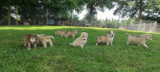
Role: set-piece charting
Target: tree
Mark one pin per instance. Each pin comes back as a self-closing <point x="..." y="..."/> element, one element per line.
<point x="94" y="5"/>
<point x="59" y="8"/>
<point x="152" y="11"/>
<point x="130" y="8"/>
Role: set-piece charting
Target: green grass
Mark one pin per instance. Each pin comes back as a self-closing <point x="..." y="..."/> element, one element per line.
<point x="119" y="57"/>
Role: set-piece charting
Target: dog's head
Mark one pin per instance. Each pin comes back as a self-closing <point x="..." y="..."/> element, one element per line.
<point x="84" y="35"/>
<point x="75" y="31"/>
<point x="111" y="33"/>
<point x="33" y="38"/>
<point x="148" y="36"/>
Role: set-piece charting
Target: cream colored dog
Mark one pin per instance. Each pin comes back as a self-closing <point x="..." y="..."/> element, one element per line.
<point x="43" y="39"/>
<point x="108" y="39"/>
<point x="71" y="33"/>
<point x="139" y="39"/>
<point x="81" y="40"/>
<point x="60" y="32"/>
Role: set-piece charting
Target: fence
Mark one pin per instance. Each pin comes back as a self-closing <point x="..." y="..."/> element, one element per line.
<point x="142" y="25"/>
<point x="146" y="26"/>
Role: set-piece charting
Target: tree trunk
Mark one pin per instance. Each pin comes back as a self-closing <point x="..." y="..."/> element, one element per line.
<point x="34" y="21"/>
<point x="71" y="19"/>
<point x="140" y="11"/>
<point x="47" y="17"/>
<point x="39" y="21"/>
<point x="16" y="15"/>
<point x="9" y="16"/>
<point x="90" y="14"/>
<point x="56" y="21"/>
<point x="43" y="21"/>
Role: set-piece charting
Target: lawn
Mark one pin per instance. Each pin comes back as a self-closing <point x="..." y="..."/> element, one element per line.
<point x="62" y="57"/>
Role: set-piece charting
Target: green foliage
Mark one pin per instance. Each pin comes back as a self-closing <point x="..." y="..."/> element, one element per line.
<point x="62" y="57"/>
<point x="94" y="5"/>
<point x="130" y="8"/>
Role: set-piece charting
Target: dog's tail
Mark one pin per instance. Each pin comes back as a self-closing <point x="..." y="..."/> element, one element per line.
<point x="70" y="43"/>
<point x="50" y="37"/>
<point x="39" y="35"/>
<point x="127" y="34"/>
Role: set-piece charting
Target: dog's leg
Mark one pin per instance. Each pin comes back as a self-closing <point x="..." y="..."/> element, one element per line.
<point x="107" y="43"/>
<point x="35" y="45"/>
<point x="28" y="46"/>
<point x="97" y="42"/>
<point x="145" y="45"/>
<point x="25" y="45"/>
<point x="81" y="46"/>
<point x="72" y="36"/>
<point x="127" y="42"/>
<point x="44" y="44"/>
<point x="50" y="42"/>
<point x="61" y="35"/>
<point x="111" y="43"/>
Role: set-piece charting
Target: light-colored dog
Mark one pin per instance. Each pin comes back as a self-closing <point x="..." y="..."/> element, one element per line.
<point x="108" y="39"/>
<point x="60" y="32"/>
<point x="81" y="40"/>
<point x="30" y="39"/>
<point x="139" y="39"/>
<point x="71" y="33"/>
<point x="43" y="39"/>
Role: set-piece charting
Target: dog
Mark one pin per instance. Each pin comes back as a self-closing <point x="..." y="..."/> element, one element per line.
<point x="139" y="39"/>
<point x="60" y="32"/>
<point x="71" y="33"/>
<point x="108" y="39"/>
<point x="30" y="39"/>
<point x="43" y="39"/>
<point x="81" y="40"/>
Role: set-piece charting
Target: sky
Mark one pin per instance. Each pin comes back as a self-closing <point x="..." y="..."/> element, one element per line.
<point x="102" y="15"/>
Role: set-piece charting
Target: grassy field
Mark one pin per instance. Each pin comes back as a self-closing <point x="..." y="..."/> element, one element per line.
<point x="119" y="57"/>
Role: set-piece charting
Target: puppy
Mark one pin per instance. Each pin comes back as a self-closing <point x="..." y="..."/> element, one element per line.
<point x="108" y="39"/>
<point x="60" y="32"/>
<point x="30" y="39"/>
<point x="71" y="33"/>
<point x="81" y="40"/>
<point x="43" y="39"/>
<point x="139" y="39"/>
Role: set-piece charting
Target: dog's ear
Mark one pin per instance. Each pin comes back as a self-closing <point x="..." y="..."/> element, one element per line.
<point x="75" y="30"/>
<point x="109" y="31"/>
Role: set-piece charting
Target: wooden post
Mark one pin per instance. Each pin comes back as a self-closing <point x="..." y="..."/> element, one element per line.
<point x="150" y="27"/>
<point x="155" y="26"/>
<point x="47" y="16"/>
<point x="140" y="23"/>
<point x="145" y="27"/>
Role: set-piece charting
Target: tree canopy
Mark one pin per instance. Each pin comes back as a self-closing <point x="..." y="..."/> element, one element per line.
<point x="62" y="10"/>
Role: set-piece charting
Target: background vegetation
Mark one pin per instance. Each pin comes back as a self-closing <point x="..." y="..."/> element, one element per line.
<point x="15" y="12"/>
